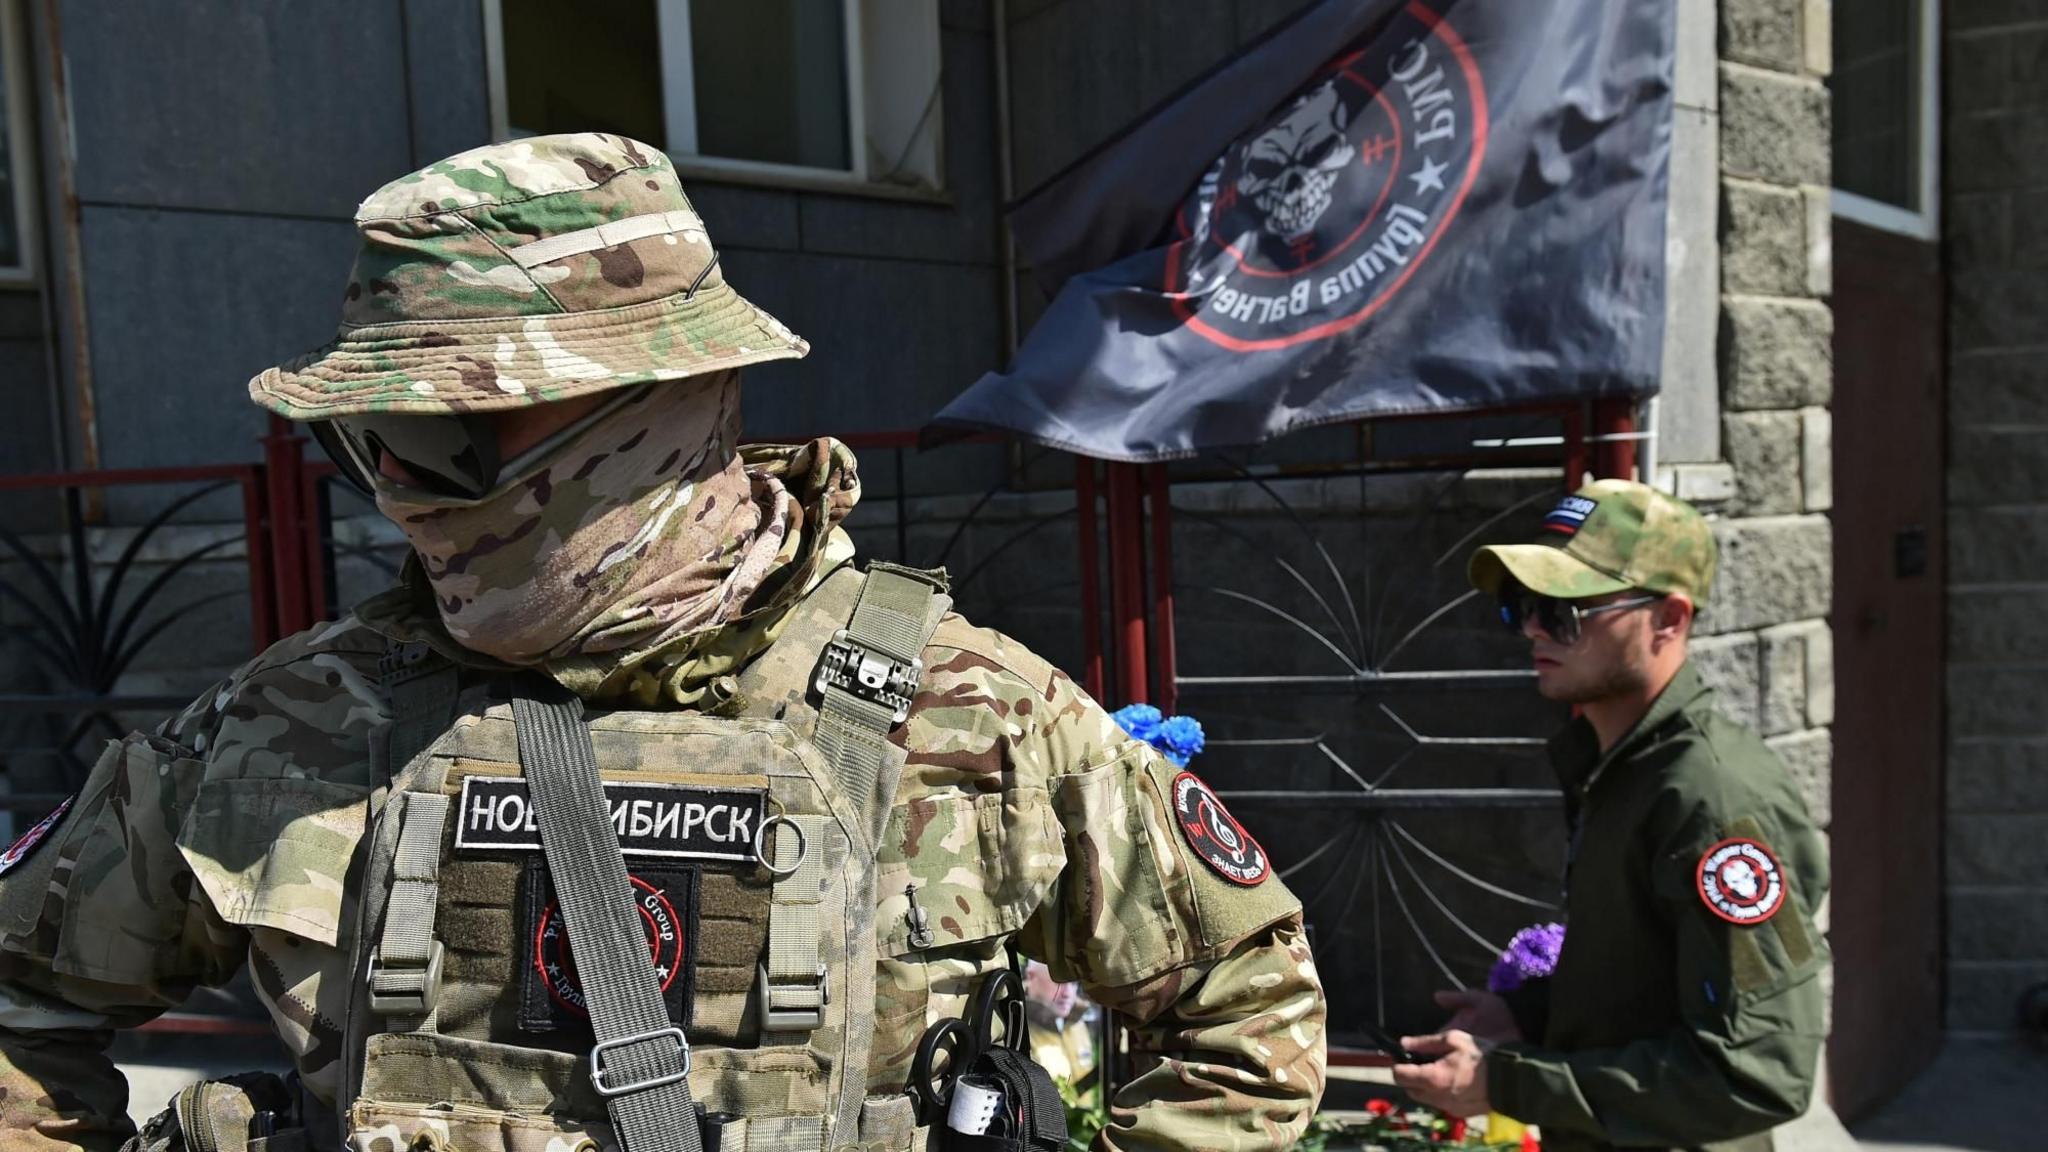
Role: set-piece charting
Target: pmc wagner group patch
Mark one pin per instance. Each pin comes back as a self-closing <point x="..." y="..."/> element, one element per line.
<point x="1215" y="835"/>
<point x="1307" y="228"/>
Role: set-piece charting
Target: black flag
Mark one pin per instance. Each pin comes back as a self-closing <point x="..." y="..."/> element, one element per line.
<point x="1461" y="208"/>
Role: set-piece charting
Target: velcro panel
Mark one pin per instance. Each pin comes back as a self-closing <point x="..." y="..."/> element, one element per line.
<point x="488" y="956"/>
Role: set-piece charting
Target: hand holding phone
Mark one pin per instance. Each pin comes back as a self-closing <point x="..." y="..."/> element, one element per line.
<point x="1387" y="1043"/>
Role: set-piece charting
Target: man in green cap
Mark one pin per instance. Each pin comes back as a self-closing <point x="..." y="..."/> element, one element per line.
<point x="1685" y="1009"/>
<point x="637" y="815"/>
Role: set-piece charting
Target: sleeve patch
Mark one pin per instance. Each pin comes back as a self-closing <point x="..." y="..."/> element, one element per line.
<point x="1215" y="834"/>
<point x="36" y="834"/>
<point x="1740" y="881"/>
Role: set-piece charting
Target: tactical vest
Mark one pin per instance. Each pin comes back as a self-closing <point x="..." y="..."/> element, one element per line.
<point x="750" y="841"/>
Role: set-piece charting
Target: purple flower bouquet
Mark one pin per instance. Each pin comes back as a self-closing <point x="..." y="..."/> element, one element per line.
<point x="1532" y="953"/>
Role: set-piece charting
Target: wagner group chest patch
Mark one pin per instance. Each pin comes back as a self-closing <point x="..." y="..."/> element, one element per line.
<point x="1215" y="834"/>
<point x="1741" y="882"/>
<point x="669" y="821"/>
<point x="551" y="993"/>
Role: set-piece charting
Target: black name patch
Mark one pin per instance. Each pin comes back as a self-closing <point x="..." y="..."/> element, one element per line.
<point x="676" y="821"/>
<point x="551" y="994"/>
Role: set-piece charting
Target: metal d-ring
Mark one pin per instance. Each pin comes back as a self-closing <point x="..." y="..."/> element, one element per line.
<point x="803" y="845"/>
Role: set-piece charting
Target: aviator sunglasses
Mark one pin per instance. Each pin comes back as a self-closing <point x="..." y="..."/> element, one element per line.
<point x="1561" y="620"/>
<point x="455" y="455"/>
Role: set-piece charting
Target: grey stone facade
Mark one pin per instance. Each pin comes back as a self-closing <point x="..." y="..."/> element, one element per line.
<point x="1995" y="166"/>
<point x="1768" y="647"/>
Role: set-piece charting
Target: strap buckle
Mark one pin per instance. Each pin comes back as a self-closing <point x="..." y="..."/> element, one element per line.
<point x="404" y="990"/>
<point x="798" y="1007"/>
<point x="868" y="673"/>
<point x="598" y="1070"/>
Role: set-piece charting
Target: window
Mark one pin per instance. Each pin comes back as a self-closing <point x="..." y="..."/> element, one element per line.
<point x="17" y="168"/>
<point x="834" y="93"/>
<point x="1886" y="94"/>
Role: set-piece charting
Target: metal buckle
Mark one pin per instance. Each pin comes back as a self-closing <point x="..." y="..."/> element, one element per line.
<point x="405" y="991"/>
<point x="597" y="1069"/>
<point x="775" y="1019"/>
<point x="870" y="674"/>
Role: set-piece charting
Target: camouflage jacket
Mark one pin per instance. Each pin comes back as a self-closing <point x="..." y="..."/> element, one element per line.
<point x="1022" y="805"/>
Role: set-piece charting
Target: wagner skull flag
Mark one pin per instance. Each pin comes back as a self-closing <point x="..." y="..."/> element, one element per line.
<point x="1461" y="207"/>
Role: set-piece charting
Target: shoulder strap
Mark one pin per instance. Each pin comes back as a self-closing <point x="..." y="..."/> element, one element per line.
<point x="641" y="1062"/>
<point x="404" y="975"/>
<point x="865" y="679"/>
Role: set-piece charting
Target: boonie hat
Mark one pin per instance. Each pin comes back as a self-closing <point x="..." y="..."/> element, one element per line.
<point x="522" y="273"/>
<point x="1609" y="536"/>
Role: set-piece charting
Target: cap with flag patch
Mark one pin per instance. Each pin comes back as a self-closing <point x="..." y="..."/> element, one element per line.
<point x="1609" y="536"/>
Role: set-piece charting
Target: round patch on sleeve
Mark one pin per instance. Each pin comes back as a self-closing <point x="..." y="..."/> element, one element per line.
<point x="1215" y="834"/>
<point x="19" y="850"/>
<point x="1740" y="881"/>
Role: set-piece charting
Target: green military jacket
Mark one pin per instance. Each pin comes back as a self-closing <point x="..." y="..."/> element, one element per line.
<point x="1686" y="1009"/>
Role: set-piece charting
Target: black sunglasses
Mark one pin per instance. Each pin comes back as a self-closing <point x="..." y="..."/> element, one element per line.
<point x="1562" y="620"/>
<point x="452" y="455"/>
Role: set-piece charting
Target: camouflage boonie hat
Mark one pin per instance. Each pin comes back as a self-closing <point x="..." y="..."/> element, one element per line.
<point x="1609" y="536"/>
<point x="522" y="273"/>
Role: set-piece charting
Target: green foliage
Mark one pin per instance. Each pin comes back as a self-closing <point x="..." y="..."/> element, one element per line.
<point x="1086" y="1114"/>
<point x="1413" y="1129"/>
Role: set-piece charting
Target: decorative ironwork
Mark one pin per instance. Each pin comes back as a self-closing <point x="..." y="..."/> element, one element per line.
<point x="1367" y="725"/>
<point x="82" y="624"/>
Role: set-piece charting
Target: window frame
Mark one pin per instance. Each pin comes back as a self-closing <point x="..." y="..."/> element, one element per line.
<point x="678" y="93"/>
<point x="21" y="153"/>
<point x="1924" y="224"/>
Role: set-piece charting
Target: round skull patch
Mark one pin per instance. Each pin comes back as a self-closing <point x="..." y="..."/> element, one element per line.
<point x="665" y="945"/>
<point x="1740" y="881"/>
<point x="1215" y="834"/>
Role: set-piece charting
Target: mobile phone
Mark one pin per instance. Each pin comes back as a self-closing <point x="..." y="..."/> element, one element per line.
<point x="1387" y="1043"/>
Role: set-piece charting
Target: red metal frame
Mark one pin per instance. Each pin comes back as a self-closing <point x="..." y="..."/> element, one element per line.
<point x="1602" y="453"/>
<point x="1614" y="457"/>
<point x="1164" y="660"/>
<point x="1091" y="577"/>
<point x="260" y="543"/>
<point x="284" y="458"/>
<point x="288" y="587"/>
<point x="1127" y="583"/>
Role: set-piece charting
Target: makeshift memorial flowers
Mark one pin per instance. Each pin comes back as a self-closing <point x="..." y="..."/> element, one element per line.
<point x="1179" y="738"/>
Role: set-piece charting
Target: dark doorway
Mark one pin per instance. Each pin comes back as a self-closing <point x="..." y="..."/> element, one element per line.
<point x="1887" y="795"/>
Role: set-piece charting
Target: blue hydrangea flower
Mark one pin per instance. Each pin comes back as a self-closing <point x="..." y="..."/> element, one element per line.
<point x="1140" y="720"/>
<point x="1180" y="739"/>
<point x="1532" y="953"/>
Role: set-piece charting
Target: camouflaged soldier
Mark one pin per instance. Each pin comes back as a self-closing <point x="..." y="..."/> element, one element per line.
<point x="537" y="376"/>
<point x="1686" y="1007"/>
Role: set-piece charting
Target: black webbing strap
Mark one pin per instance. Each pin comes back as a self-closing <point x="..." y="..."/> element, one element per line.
<point x="641" y="1062"/>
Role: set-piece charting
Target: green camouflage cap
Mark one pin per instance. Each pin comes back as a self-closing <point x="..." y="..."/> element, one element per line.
<point x="521" y="273"/>
<point x="1609" y="536"/>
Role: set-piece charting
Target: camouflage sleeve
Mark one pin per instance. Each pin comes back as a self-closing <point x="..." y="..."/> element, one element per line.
<point x="101" y="927"/>
<point x="1214" y="969"/>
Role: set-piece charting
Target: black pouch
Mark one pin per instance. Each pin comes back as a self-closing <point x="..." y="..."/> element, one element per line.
<point x="1031" y="1117"/>
<point x="246" y="1112"/>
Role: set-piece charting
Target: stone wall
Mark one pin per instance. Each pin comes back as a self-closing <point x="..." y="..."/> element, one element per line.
<point x="1768" y="646"/>
<point x="1996" y="169"/>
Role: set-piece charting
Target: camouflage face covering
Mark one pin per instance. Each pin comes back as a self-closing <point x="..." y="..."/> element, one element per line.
<point x="643" y="530"/>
